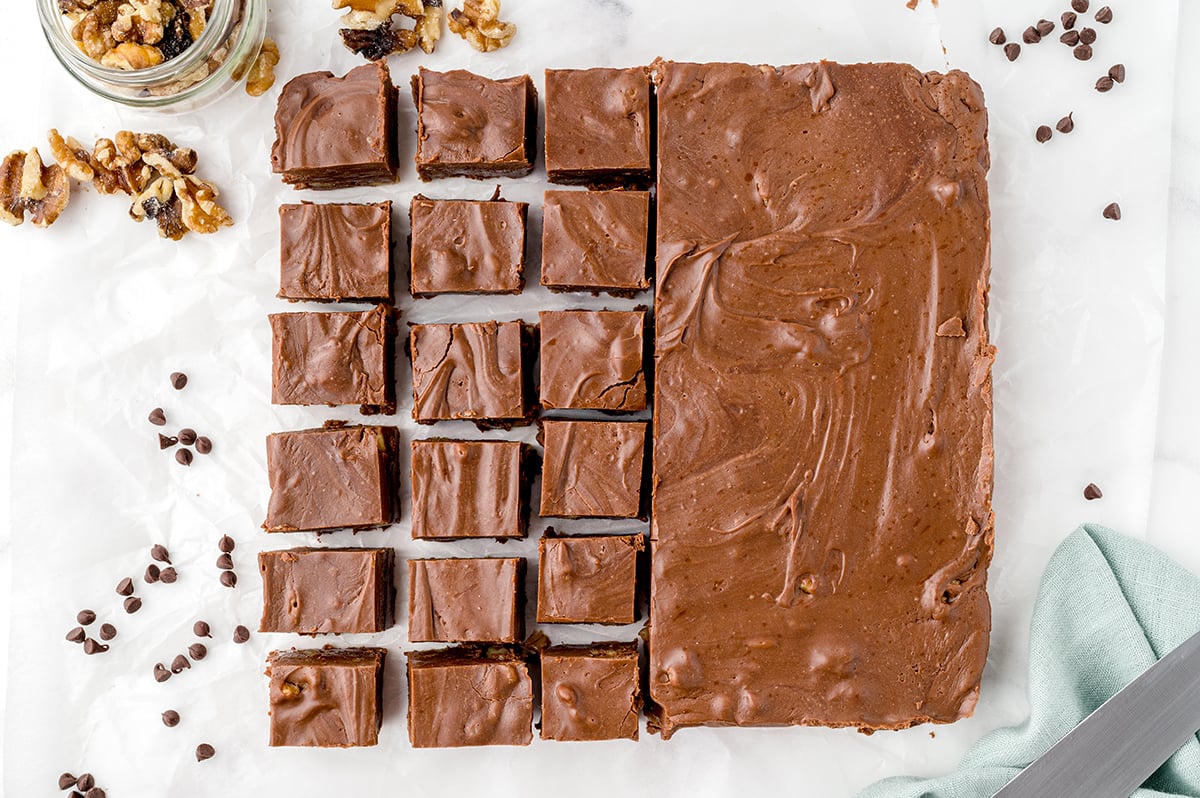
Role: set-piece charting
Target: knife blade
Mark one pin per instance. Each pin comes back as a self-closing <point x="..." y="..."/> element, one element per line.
<point x="1116" y="748"/>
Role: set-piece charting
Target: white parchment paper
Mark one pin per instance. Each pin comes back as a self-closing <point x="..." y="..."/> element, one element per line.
<point x="107" y="310"/>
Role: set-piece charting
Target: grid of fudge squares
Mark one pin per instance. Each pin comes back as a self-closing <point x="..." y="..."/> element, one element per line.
<point x="311" y="591"/>
<point x="466" y="600"/>
<point x="588" y="578"/>
<point x="590" y="692"/>
<point x="336" y="252"/>
<point x="596" y="241"/>
<point x="469" y="695"/>
<point x="473" y="371"/>
<point x="592" y="469"/>
<point x="469" y="489"/>
<point x="598" y="126"/>
<point x="592" y="360"/>
<point x="326" y="698"/>
<point x="467" y="246"/>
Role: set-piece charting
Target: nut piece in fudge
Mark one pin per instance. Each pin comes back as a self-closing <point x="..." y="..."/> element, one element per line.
<point x="336" y="252"/>
<point x="470" y="371"/>
<point x="588" y="579"/>
<point x="590" y="692"/>
<point x="466" y="600"/>
<point x="472" y="695"/>
<point x="311" y="591"/>
<point x="592" y="360"/>
<point x="326" y="698"/>
<point x="469" y="489"/>
<point x="598" y="126"/>
<point x="596" y="241"/>
<point x="467" y="246"/>
<point x="592" y="469"/>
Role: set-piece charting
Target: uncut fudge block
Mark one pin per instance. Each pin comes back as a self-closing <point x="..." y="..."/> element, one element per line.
<point x="469" y="489"/>
<point x="472" y="126"/>
<point x="588" y="579"/>
<point x="821" y="520"/>
<point x="337" y="477"/>
<point x="592" y="468"/>
<point x="311" y="591"/>
<point x="590" y="692"/>
<point x="333" y="132"/>
<point x="334" y="359"/>
<point x="469" y="696"/>
<point x="467" y="246"/>
<point x="466" y="600"/>
<point x="598" y="126"/>
<point x="326" y="698"/>
<point x="334" y="253"/>
<point x="592" y="359"/>
<point x="595" y="241"/>
<point x="469" y="371"/>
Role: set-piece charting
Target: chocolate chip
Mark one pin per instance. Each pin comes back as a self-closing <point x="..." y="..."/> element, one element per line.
<point x="225" y="562"/>
<point x="180" y="664"/>
<point x="1104" y="84"/>
<point x="241" y="634"/>
<point x="1087" y="36"/>
<point x="204" y="751"/>
<point x="1092" y="492"/>
<point x="1117" y="72"/>
<point x="1080" y="5"/>
<point x="152" y="574"/>
<point x="161" y="674"/>
<point x="1031" y="35"/>
<point x="76" y="794"/>
<point x="1012" y="50"/>
<point x="95" y="792"/>
<point x="168" y="576"/>
<point x="85" y="617"/>
<point x="1045" y="27"/>
<point x="183" y="457"/>
<point x="1043" y="134"/>
<point x="203" y="445"/>
<point x="1083" y="52"/>
<point x="166" y="441"/>
<point x="226" y="544"/>
<point x="91" y="646"/>
<point x="178" y="380"/>
<point x="229" y="579"/>
<point x="170" y="718"/>
<point x="1068" y="19"/>
<point x="1104" y="15"/>
<point x="125" y="586"/>
<point x="66" y="781"/>
<point x="158" y="418"/>
<point x="85" y="782"/>
<point x="1066" y="124"/>
<point x="76" y="635"/>
<point x="997" y="36"/>
<point x="1112" y="211"/>
<point x="187" y="436"/>
<point x="201" y="629"/>
<point x="108" y="631"/>
<point x="133" y="604"/>
<point x="159" y="553"/>
<point x="1070" y="38"/>
<point x="197" y="651"/>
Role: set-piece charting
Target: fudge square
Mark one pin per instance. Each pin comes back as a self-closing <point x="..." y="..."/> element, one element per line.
<point x="467" y="246"/>
<point x="592" y="468"/>
<point x="335" y="252"/>
<point x="590" y="692"/>
<point x="333" y="132"/>
<point x="469" y="371"/>
<point x="592" y="360"/>
<point x="334" y="359"/>
<point x="326" y="698"/>
<point x="336" y="477"/>
<point x="472" y="126"/>
<point x="588" y="579"/>
<point x="470" y="695"/>
<point x="312" y="591"/>
<point x="598" y="126"/>
<point x="466" y="600"/>
<point x="596" y="241"/>
<point x="468" y="489"/>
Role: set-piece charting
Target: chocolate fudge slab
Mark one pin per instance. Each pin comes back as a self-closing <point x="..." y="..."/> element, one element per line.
<point x="595" y="241"/>
<point x="598" y="126"/>
<point x="466" y="600"/>
<point x="311" y="591"/>
<point x="588" y="579"/>
<point x="335" y="132"/>
<point x="470" y="371"/>
<point x="326" y="698"/>
<point x="467" y="246"/>
<point x="590" y="692"/>
<point x="592" y="469"/>
<point x="469" y="696"/>
<point x="472" y="126"/>
<point x="336" y="252"/>
<point x="338" y="477"/>
<point x="469" y="489"/>
<point x="592" y="360"/>
<point x="334" y="359"/>
<point x="821" y="523"/>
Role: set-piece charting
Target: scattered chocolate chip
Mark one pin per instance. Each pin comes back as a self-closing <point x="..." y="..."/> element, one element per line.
<point x="178" y="380"/>
<point x="1083" y="52"/>
<point x="85" y="617"/>
<point x="1112" y="211"/>
<point x="159" y="553"/>
<point x="85" y="782"/>
<point x="170" y="718"/>
<point x="226" y="544"/>
<point x="125" y="587"/>
<point x="1070" y="38"/>
<point x="225" y="562"/>
<point x="168" y="575"/>
<point x="203" y="445"/>
<point x="180" y="664"/>
<point x="241" y="634"/>
<point x="1092" y="492"/>
<point x="108" y="631"/>
<point x="1031" y="35"/>
<point x="1104" y="84"/>
<point x="1043" y="134"/>
<point x="95" y="792"/>
<point x="201" y="629"/>
<point x="1044" y="27"/>
<point x="183" y="457"/>
<point x="76" y="794"/>
<point x="1068" y="19"/>
<point x="152" y="574"/>
<point x="1104" y="15"/>
<point x="997" y="36"/>
<point x="229" y="579"/>
<point x="76" y="635"/>
<point x="204" y="751"/>
<point x="161" y="674"/>
<point x="187" y="436"/>
<point x="1066" y="124"/>
<point x="66" y="781"/>
<point x="166" y="441"/>
<point x="1012" y="50"/>
<point x="1087" y="35"/>
<point x="1080" y="5"/>
<point x="197" y="651"/>
<point x="133" y="604"/>
<point x="158" y="418"/>
<point x="91" y="646"/>
<point x="1117" y="72"/>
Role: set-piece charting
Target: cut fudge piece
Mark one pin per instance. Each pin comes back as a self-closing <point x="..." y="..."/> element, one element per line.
<point x="337" y="477"/>
<point x="467" y="246"/>
<point x="334" y="253"/>
<point x="588" y="579"/>
<point x="326" y="698"/>
<point x="334" y="359"/>
<point x="469" y="371"/>
<point x="821" y="520"/>
<point x="469" y="489"/>
<point x="592" y="359"/>
<point x="333" y="132"/>
<point x="312" y="591"/>
<point x="596" y="241"/>
<point x="470" y="695"/>
<point x="590" y="692"/>
<point x="592" y="468"/>
<point x="466" y="600"/>
<point x="472" y="126"/>
<point x="598" y="126"/>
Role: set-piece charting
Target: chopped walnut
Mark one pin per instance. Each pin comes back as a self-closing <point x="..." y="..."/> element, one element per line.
<point x="262" y="72"/>
<point x="71" y="156"/>
<point x="478" y="22"/>
<point x="139" y="21"/>
<point x="154" y="30"/>
<point x="201" y="213"/>
<point x="158" y="202"/>
<point x="379" y="42"/>
<point x="116" y="171"/>
<point x="130" y="56"/>
<point x="28" y="186"/>
<point x="183" y="159"/>
<point x="429" y="26"/>
<point x="94" y="38"/>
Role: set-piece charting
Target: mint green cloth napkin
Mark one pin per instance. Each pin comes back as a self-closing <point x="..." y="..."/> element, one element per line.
<point x="1108" y="608"/>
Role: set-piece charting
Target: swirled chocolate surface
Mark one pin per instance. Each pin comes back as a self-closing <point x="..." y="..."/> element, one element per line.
<point x="592" y="469"/>
<point x="595" y="241"/>
<point x="821" y="523"/>
<point x="468" y="371"/>
<point x="598" y="125"/>
<point x="326" y="698"/>
<point x="588" y="578"/>
<point x="467" y="246"/>
<point x="312" y="591"/>
<point x="330" y="253"/>
<point x="468" y="489"/>
<point x="462" y="600"/>
<point x="467" y="696"/>
<point x="590" y="692"/>
<point x="592" y="360"/>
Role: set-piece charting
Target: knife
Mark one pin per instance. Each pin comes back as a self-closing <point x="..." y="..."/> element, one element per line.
<point x="1126" y="739"/>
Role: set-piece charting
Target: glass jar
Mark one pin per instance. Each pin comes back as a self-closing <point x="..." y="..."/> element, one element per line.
<point x="213" y="65"/>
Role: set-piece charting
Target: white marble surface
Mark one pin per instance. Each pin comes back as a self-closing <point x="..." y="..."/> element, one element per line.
<point x="1092" y="413"/>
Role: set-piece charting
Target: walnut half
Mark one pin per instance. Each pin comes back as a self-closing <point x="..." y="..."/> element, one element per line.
<point x="478" y="22"/>
<point x="29" y="186"/>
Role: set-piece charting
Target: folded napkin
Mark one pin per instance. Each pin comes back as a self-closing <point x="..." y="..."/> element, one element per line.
<point x="1109" y="608"/>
